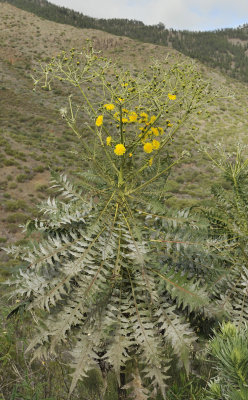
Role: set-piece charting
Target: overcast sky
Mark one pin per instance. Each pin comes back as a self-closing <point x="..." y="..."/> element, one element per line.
<point x="177" y="14"/>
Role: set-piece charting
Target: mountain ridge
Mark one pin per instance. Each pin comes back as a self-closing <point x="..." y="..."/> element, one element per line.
<point x="224" y="49"/>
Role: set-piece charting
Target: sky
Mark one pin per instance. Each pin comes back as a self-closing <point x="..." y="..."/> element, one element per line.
<point x="193" y="15"/>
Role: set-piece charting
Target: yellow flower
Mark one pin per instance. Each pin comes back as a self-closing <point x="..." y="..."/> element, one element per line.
<point x="148" y="147"/>
<point x="124" y="84"/>
<point x="161" y="130"/>
<point x="172" y="96"/>
<point x="124" y="110"/>
<point x="155" y="131"/>
<point x="109" y="107"/>
<point x="99" y="120"/>
<point x="130" y="154"/>
<point x="133" y="117"/>
<point x="124" y="120"/>
<point x="120" y="149"/>
<point x="117" y="116"/>
<point x="169" y="124"/>
<point x="153" y="117"/>
<point x="144" y="116"/>
<point x="155" y="144"/>
<point x="150" y="161"/>
<point x="120" y="99"/>
<point x="108" y="140"/>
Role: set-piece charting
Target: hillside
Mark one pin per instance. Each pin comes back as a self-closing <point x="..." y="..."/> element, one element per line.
<point x="33" y="138"/>
<point x="225" y="49"/>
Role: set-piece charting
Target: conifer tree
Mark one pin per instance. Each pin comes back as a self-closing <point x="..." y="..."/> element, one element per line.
<point x="229" y="350"/>
<point x="228" y="225"/>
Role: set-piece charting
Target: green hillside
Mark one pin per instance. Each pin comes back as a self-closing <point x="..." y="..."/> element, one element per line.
<point x="34" y="139"/>
<point x="225" y="49"/>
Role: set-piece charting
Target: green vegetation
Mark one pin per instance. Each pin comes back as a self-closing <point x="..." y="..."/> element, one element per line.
<point x="14" y="205"/>
<point x="230" y="352"/>
<point x="172" y="274"/>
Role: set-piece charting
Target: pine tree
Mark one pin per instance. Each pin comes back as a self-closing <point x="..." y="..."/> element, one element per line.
<point x="229" y="351"/>
<point x="228" y="224"/>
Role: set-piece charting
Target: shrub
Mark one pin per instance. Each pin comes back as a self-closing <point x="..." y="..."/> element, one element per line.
<point x="12" y="185"/>
<point x="14" y="205"/>
<point x="39" y="168"/>
<point x="17" y="217"/>
<point x="9" y="162"/>
<point x="228" y="218"/>
<point x="22" y="178"/>
<point x="229" y="349"/>
<point x="41" y="188"/>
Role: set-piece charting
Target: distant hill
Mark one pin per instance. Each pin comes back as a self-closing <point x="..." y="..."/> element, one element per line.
<point x="225" y="49"/>
<point x="34" y="138"/>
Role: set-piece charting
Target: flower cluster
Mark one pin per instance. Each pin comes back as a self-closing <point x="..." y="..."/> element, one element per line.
<point x="150" y="134"/>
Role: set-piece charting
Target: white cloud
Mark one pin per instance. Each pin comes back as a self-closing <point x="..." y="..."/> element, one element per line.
<point x="177" y="14"/>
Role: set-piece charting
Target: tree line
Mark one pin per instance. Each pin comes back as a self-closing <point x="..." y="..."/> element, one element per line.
<point x="225" y="49"/>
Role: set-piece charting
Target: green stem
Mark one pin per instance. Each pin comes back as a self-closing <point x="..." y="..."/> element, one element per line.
<point x="121" y="126"/>
<point x="120" y="176"/>
<point x="174" y="131"/>
<point x="105" y="151"/>
<point x="86" y="99"/>
<point x="155" y="177"/>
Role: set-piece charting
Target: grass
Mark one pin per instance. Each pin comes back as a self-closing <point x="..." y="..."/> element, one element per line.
<point x="41" y="380"/>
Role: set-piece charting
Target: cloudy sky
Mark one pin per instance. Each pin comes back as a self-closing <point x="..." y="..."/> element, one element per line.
<point x="177" y="14"/>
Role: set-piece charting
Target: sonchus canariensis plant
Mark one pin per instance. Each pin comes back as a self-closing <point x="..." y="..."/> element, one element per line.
<point x="98" y="273"/>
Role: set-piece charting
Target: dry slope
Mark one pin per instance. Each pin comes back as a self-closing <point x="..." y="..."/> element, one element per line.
<point x="33" y="138"/>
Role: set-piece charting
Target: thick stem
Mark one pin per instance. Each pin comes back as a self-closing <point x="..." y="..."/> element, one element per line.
<point x="120" y="177"/>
